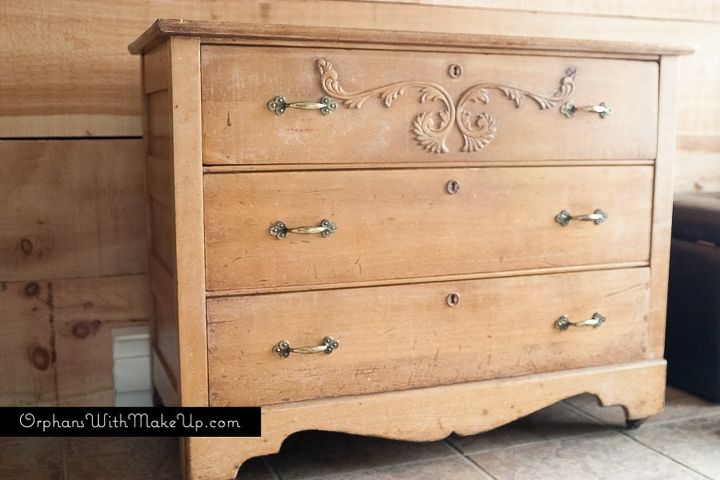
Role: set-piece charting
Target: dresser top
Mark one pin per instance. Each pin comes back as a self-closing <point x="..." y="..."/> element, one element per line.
<point x="246" y="33"/>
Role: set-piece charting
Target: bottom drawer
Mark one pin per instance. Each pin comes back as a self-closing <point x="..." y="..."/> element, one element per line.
<point x="411" y="336"/>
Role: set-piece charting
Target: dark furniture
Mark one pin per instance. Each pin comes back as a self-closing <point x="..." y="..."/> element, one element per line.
<point x="693" y="324"/>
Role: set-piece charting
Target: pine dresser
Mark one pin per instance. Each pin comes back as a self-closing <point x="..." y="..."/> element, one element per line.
<point x="403" y="234"/>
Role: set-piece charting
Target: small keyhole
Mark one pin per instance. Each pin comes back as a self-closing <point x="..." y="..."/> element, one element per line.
<point x="452" y="187"/>
<point x="455" y="70"/>
<point x="453" y="299"/>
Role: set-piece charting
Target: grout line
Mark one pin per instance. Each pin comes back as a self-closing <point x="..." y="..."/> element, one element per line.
<point x="670" y="421"/>
<point x="672" y="459"/>
<point x="470" y="460"/>
<point x="416" y="461"/>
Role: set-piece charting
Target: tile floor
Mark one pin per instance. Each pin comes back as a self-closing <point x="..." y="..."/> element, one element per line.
<point x="574" y="439"/>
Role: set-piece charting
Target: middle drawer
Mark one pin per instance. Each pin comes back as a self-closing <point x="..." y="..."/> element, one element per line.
<point x="404" y="224"/>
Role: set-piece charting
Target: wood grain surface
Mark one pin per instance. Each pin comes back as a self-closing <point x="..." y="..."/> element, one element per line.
<point x="403" y="337"/>
<point x="239" y="128"/>
<point x="402" y="224"/>
<point x="423" y="414"/>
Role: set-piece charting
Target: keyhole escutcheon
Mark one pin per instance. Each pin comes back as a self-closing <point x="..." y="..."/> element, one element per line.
<point x="452" y="187"/>
<point x="455" y="70"/>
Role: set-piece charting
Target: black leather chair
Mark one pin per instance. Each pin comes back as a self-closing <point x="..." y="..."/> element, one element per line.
<point x="693" y="325"/>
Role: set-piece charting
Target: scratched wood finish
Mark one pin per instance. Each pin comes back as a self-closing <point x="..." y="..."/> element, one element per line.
<point x="403" y="337"/>
<point x="394" y="224"/>
<point x="239" y="128"/>
<point x="433" y="413"/>
<point x="401" y="235"/>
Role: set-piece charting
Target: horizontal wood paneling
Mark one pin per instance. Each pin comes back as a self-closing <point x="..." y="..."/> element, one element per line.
<point x="97" y="93"/>
<point x="85" y="312"/>
<point x="71" y="209"/>
<point x="56" y="343"/>
<point x="700" y="10"/>
<point x="27" y="369"/>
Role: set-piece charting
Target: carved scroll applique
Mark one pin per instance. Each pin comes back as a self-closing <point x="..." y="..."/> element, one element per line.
<point x="430" y="129"/>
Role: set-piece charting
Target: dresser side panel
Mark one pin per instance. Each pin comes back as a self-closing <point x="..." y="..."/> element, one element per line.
<point x="662" y="204"/>
<point x="161" y="222"/>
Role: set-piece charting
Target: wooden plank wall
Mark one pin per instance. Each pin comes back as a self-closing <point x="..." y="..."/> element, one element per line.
<point x="72" y="174"/>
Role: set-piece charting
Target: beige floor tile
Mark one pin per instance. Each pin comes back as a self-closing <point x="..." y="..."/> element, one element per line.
<point x="694" y="443"/>
<point x="454" y="468"/>
<point x="31" y="458"/>
<point x="313" y="454"/>
<point x="606" y="456"/>
<point x="123" y="458"/>
<point x="679" y="405"/>
<point x="556" y="421"/>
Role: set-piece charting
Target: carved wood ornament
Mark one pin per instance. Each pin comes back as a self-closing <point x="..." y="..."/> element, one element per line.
<point x="430" y="129"/>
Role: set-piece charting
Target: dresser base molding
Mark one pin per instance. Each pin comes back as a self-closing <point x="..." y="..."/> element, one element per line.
<point x="433" y="413"/>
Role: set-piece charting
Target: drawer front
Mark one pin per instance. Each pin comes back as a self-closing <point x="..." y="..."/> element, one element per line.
<point x="402" y="337"/>
<point x="403" y="224"/>
<point x="392" y="110"/>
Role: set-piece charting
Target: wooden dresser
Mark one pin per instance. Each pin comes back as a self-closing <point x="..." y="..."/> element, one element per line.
<point x="403" y="234"/>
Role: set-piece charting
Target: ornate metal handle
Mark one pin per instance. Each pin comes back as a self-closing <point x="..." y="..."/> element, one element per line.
<point x="283" y="348"/>
<point x="280" y="230"/>
<point x="598" y="217"/>
<point x="568" y="109"/>
<point x="563" y="323"/>
<point x="279" y="105"/>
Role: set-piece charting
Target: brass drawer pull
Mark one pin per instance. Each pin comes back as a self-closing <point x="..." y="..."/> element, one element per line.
<point x="283" y="348"/>
<point x="563" y="323"/>
<point x="280" y="230"/>
<point x="568" y="109"/>
<point x="598" y="217"/>
<point x="326" y="105"/>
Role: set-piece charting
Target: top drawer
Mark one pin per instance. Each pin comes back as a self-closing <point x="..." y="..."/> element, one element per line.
<point x="419" y="107"/>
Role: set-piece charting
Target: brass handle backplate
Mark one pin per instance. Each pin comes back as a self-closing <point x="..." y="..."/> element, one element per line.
<point x="597" y="217"/>
<point x="568" y="109"/>
<point x="283" y="348"/>
<point x="563" y="323"/>
<point x="280" y="230"/>
<point x="326" y="105"/>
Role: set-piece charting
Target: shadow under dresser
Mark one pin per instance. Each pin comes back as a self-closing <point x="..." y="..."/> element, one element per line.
<point x="403" y="234"/>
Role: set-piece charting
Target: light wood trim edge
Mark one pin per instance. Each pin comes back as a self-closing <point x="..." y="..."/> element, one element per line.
<point x="405" y="281"/>
<point x="291" y="167"/>
<point x="424" y="415"/>
<point x="662" y="205"/>
<point x="189" y="230"/>
<point x="163" y="28"/>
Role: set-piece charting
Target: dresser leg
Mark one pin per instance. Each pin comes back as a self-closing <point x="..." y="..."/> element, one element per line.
<point x="634" y="424"/>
